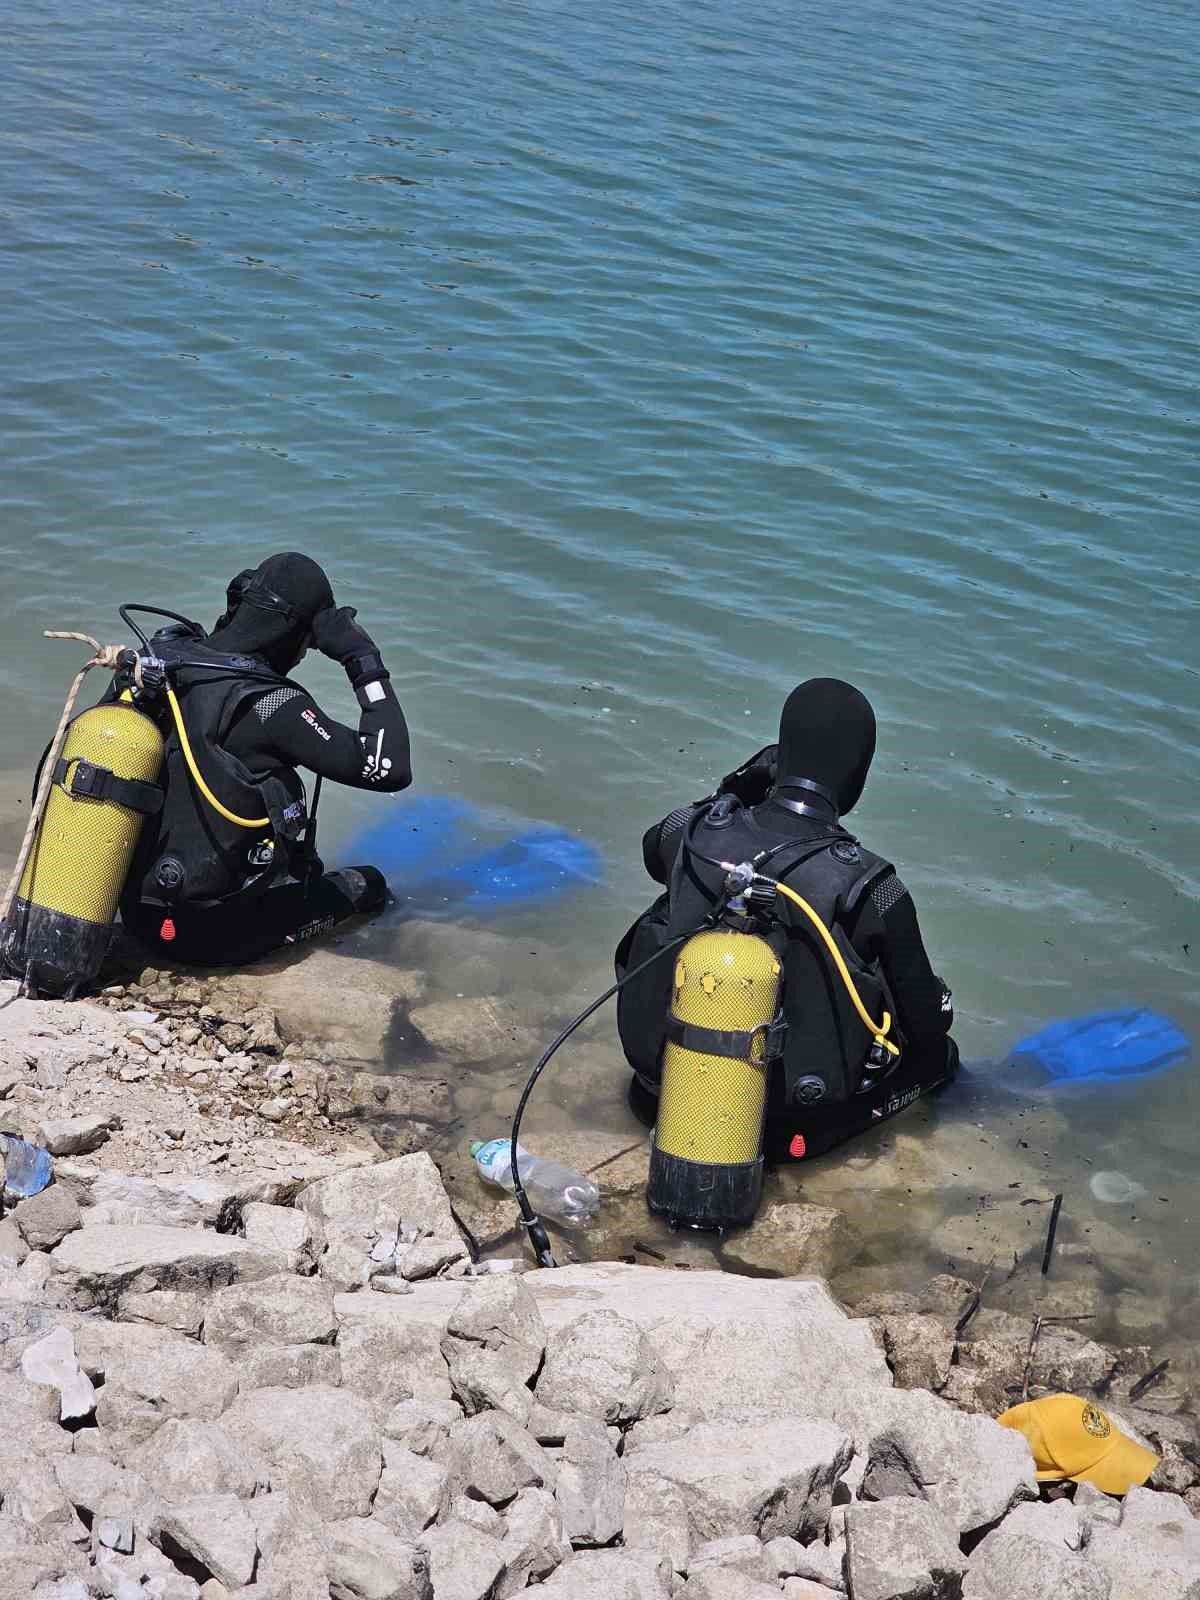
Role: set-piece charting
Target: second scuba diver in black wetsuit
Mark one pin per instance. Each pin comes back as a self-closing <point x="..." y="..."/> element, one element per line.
<point x="205" y="887"/>
<point x="829" y="1083"/>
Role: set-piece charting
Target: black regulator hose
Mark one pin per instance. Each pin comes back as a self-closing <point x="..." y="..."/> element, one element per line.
<point x="538" y="1237"/>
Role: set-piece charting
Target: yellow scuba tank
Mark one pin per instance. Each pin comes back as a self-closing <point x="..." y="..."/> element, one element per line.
<point x="104" y="784"/>
<point x="706" y="1166"/>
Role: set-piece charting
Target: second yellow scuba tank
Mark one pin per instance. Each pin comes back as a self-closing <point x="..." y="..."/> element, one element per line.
<point x="706" y="1167"/>
<point x="104" y="785"/>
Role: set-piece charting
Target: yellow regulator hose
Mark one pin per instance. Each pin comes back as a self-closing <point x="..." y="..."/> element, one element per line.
<point x="224" y="811"/>
<point x="878" y="1029"/>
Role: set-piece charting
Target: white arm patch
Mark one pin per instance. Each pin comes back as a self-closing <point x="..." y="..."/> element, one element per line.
<point x="373" y="691"/>
<point x="377" y="765"/>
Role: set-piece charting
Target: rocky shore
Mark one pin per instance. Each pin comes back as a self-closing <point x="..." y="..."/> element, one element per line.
<point x="253" y="1342"/>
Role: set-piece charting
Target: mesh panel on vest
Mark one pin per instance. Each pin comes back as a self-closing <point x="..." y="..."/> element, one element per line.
<point x="888" y="892"/>
<point x="270" y="703"/>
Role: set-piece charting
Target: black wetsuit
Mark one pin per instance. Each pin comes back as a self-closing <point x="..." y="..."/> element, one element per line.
<point x="825" y="1085"/>
<point x="882" y="927"/>
<point x="258" y="733"/>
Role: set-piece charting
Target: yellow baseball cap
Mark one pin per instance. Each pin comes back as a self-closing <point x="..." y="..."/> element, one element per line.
<point x="1073" y="1438"/>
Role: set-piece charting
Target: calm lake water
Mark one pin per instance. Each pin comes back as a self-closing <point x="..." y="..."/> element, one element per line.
<point x="626" y="366"/>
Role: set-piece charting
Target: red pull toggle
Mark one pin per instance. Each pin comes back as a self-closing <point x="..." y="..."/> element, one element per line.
<point x="797" y="1146"/>
<point x="167" y="931"/>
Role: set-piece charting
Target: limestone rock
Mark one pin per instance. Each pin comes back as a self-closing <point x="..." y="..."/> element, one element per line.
<point x="349" y="1206"/>
<point x="45" y="1219"/>
<point x="13" y="1248"/>
<point x="186" y="1457"/>
<point x="169" y="1202"/>
<point x="52" y="1361"/>
<point x="289" y="1366"/>
<point x="97" y="1265"/>
<point x="604" y="1366"/>
<point x="33" y="1496"/>
<point x="792" y="1240"/>
<point x="322" y="1442"/>
<point x="902" y="1549"/>
<point x="410" y="1493"/>
<point x="284" y="1229"/>
<point x="1010" y="1565"/>
<point x="464" y="1563"/>
<point x="278" y="1310"/>
<point x="946" y="1296"/>
<point x="1154" y="1554"/>
<point x="91" y="1482"/>
<point x="534" y="1543"/>
<point x="178" y="1378"/>
<point x="591" y="1485"/>
<point x="968" y="1467"/>
<point x="815" y="1564"/>
<point x="387" y="1362"/>
<point x="738" y="1349"/>
<point x="478" y="1513"/>
<point x="422" y="1426"/>
<point x="368" y="1562"/>
<point x="919" y="1349"/>
<point x="73" y="1136"/>
<point x="656" y="1515"/>
<point x="493" y="1346"/>
<point x="1143" y="1510"/>
<point x="299" y="991"/>
<point x="484" y="1028"/>
<point x="1056" y="1524"/>
<point x="771" y="1479"/>
<point x="611" y="1575"/>
<point x="165" y="1308"/>
<point x="424" y="1258"/>
<point x="215" y="1530"/>
<point x="726" y="1583"/>
<point x="294" y="1551"/>
<point x="742" y="1553"/>
<point x="491" y="1458"/>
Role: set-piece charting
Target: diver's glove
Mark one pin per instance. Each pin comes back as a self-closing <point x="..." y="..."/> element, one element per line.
<point x="338" y="636"/>
<point x="754" y="779"/>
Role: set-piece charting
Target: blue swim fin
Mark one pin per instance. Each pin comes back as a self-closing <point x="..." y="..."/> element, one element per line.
<point x="1106" y="1047"/>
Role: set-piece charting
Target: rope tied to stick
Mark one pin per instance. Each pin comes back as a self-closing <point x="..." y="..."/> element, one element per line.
<point x="103" y="655"/>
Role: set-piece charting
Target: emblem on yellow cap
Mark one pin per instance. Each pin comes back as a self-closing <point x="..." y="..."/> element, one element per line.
<point x="1096" y="1423"/>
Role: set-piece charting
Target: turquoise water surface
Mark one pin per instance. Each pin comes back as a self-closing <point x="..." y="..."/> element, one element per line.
<point x="627" y="365"/>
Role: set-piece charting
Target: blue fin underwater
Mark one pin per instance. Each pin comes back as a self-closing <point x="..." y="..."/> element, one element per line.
<point x="1105" y="1047"/>
<point x="437" y="851"/>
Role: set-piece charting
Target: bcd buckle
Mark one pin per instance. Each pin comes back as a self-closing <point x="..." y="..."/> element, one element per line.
<point x="88" y="781"/>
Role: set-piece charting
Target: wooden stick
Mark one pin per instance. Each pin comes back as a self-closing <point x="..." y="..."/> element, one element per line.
<point x="1155" y="1375"/>
<point x="1029" y="1354"/>
<point x="1050" y="1232"/>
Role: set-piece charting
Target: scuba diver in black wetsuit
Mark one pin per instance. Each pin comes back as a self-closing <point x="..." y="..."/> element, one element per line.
<point x="830" y="1078"/>
<point x="227" y="870"/>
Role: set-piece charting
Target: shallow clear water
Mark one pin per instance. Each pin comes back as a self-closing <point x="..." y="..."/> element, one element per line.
<point x="626" y="367"/>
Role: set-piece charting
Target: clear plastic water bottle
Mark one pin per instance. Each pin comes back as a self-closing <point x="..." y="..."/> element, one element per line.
<point x="553" y="1190"/>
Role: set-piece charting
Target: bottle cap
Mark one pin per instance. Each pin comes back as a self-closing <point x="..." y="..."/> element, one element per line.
<point x="476" y="1146"/>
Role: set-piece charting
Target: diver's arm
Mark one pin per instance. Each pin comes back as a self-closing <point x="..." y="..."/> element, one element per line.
<point x="753" y="780"/>
<point x="886" y="928"/>
<point x="749" y="783"/>
<point x="288" y="728"/>
<point x="660" y="844"/>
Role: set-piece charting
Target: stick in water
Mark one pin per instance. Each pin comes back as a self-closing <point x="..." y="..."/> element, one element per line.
<point x="1155" y="1375"/>
<point x="1050" y="1232"/>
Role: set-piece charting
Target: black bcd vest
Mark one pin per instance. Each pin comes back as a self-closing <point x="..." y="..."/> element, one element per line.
<point x="189" y="854"/>
<point x="825" y="1040"/>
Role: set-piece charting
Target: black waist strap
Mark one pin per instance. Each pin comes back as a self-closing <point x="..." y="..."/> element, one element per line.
<point x="739" y="1044"/>
<point x="89" y="782"/>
